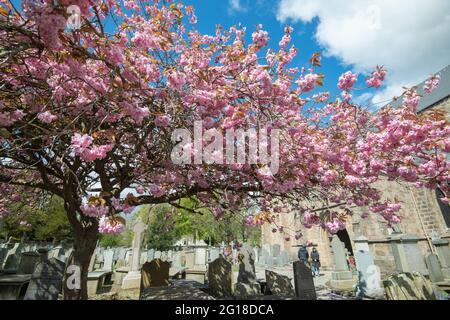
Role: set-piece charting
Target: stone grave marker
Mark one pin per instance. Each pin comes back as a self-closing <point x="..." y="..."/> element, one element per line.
<point x="279" y="284"/>
<point x="46" y="280"/>
<point x="150" y="254"/>
<point x="220" y="277"/>
<point x="247" y="284"/>
<point x="108" y="260"/>
<point x="155" y="274"/>
<point x="28" y="262"/>
<point x="369" y="277"/>
<point x="304" y="283"/>
<point x="434" y="267"/>
<point x="214" y="253"/>
<point x="276" y="249"/>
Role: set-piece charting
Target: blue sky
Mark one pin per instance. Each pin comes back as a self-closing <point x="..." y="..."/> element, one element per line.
<point x="409" y="37"/>
<point x="252" y="13"/>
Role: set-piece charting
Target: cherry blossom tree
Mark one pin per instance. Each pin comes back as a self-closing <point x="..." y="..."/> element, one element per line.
<point x="87" y="114"/>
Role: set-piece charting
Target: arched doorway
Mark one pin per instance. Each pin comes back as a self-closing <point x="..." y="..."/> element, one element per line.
<point x="345" y="238"/>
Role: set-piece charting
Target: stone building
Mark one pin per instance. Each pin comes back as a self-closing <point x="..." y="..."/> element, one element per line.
<point x="423" y="215"/>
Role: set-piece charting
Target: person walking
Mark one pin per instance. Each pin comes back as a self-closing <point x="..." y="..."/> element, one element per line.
<point x="303" y="254"/>
<point x="315" y="262"/>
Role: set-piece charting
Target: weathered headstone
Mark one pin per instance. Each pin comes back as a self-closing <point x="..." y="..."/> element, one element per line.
<point x="276" y="249"/>
<point x="341" y="276"/>
<point x="220" y="277"/>
<point x="28" y="262"/>
<point x="3" y="252"/>
<point x="279" y="284"/>
<point x="150" y="254"/>
<point x="55" y="252"/>
<point x="339" y="256"/>
<point x="143" y="258"/>
<point x="369" y="279"/>
<point x="434" y="267"/>
<point x="443" y="252"/>
<point x="408" y="286"/>
<point x="46" y="281"/>
<point x="247" y="284"/>
<point x="12" y="259"/>
<point x="200" y="253"/>
<point x="304" y="283"/>
<point x="214" y="253"/>
<point x="155" y="274"/>
<point x="108" y="260"/>
<point x="407" y="255"/>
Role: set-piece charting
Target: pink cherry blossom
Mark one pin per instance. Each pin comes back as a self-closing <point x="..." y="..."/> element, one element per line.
<point x="347" y="80"/>
<point x="47" y="117"/>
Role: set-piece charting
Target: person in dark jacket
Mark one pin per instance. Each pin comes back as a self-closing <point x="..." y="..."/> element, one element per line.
<point x="303" y="254"/>
<point x="315" y="262"/>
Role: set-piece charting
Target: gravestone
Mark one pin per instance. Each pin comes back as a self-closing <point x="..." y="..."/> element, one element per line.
<point x="12" y="259"/>
<point x="369" y="279"/>
<point x="150" y="254"/>
<point x="214" y="253"/>
<point x="220" y="277"/>
<point x="256" y="254"/>
<point x="143" y="258"/>
<point x="176" y="260"/>
<point x="133" y="277"/>
<point x="279" y="284"/>
<point x="200" y="253"/>
<point x="155" y="274"/>
<point x="434" y="267"/>
<point x="128" y="254"/>
<point x="304" y="283"/>
<point x="28" y="262"/>
<point x="247" y="284"/>
<point x="108" y="260"/>
<point x="339" y="256"/>
<point x="3" y="252"/>
<point x="189" y="262"/>
<point x="92" y="262"/>
<point x="408" y="286"/>
<point x="46" y="281"/>
<point x="341" y="276"/>
<point x="443" y="252"/>
<point x="276" y="249"/>
<point x="55" y="252"/>
<point x="407" y="255"/>
<point x="284" y="258"/>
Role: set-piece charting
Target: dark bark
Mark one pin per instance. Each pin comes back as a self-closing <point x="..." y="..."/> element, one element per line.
<point x="85" y="240"/>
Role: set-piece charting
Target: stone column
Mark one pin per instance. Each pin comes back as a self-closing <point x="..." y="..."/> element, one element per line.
<point x="133" y="277"/>
<point x="443" y="253"/>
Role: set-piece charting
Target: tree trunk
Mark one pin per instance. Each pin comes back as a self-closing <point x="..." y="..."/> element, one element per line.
<point x="84" y="245"/>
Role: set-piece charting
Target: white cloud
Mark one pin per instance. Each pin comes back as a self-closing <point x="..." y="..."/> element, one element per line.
<point x="234" y="6"/>
<point x="409" y="37"/>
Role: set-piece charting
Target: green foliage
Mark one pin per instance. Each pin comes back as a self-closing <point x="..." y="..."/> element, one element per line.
<point x="47" y="223"/>
<point x="167" y="225"/>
